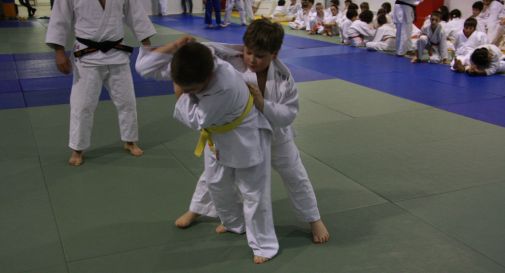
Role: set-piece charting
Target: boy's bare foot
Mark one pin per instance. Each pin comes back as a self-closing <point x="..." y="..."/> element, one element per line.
<point x="76" y="158"/>
<point x="186" y="219"/>
<point x="133" y="149"/>
<point x="260" y="260"/>
<point x="458" y="66"/>
<point x="221" y="229"/>
<point x="320" y="234"/>
<point x="415" y="60"/>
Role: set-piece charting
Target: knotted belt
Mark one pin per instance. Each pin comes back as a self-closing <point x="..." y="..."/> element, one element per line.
<point x="105" y="46"/>
<point x="206" y="133"/>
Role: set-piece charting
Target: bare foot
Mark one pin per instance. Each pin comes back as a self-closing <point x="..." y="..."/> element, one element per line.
<point x="221" y="229"/>
<point x="320" y="234"/>
<point x="415" y="60"/>
<point x="133" y="149"/>
<point x="76" y="158"/>
<point x="458" y="66"/>
<point x="186" y="219"/>
<point x="260" y="260"/>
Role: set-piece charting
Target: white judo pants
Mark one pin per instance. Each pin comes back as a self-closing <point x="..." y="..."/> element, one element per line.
<point x="243" y="200"/>
<point x="249" y="10"/>
<point x="239" y="4"/>
<point x="388" y="45"/>
<point x="164" y="7"/>
<point x="86" y="88"/>
<point x="436" y="55"/>
<point x="403" y="16"/>
<point x="287" y="162"/>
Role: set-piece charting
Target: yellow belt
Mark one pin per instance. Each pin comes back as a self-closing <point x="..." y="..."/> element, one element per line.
<point x="206" y="133"/>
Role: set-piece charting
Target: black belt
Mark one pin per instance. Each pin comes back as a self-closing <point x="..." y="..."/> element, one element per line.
<point x="105" y="46"/>
<point x="408" y="4"/>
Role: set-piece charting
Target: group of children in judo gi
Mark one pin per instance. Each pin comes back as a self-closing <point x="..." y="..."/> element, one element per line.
<point x="444" y="37"/>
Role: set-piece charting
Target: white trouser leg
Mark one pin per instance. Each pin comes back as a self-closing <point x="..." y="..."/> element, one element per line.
<point x="201" y="202"/>
<point x="120" y="86"/>
<point x="229" y="8"/>
<point x="435" y="55"/>
<point x="240" y="9"/>
<point x="287" y="162"/>
<point x="403" y="34"/>
<point x="163" y="7"/>
<point x="248" y="9"/>
<point x="86" y="87"/>
<point x="421" y="44"/>
<point x="254" y="185"/>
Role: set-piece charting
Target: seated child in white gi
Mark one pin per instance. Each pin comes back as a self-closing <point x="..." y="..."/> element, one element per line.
<point x="302" y="17"/>
<point x="214" y="99"/>
<point x="330" y="22"/>
<point x="468" y="39"/>
<point x="317" y="20"/>
<point x="433" y="39"/>
<point x="277" y="99"/>
<point x="351" y="16"/>
<point x="384" y="39"/>
<point x="361" y="31"/>
<point x="100" y="60"/>
<point x="486" y="60"/>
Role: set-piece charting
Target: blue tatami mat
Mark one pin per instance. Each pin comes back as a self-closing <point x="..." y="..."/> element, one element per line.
<point x="492" y="111"/>
<point x="16" y="23"/>
<point x="12" y="100"/>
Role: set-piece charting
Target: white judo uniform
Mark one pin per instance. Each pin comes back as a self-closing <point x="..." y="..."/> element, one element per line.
<point x="280" y="108"/>
<point x="384" y="39"/>
<point x="464" y="45"/>
<point x="497" y="63"/>
<point x="239" y="5"/>
<point x="359" y="33"/>
<point x="436" y="43"/>
<point x="90" y="21"/>
<point x="403" y="17"/>
<point x="242" y="156"/>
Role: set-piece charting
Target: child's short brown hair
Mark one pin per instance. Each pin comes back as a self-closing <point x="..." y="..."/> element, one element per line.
<point x="193" y="63"/>
<point x="264" y="35"/>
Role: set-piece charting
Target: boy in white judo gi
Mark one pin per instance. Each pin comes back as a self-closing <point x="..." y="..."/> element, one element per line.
<point x="214" y="99"/>
<point x="485" y="60"/>
<point x="100" y="59"/>
<point x="384" y="39"/>
<point x="403" y="16"/>
<point x="468" y="39"/>
<point x="277" y="99"/>
<point x="361" y="31"/>
<point x="433" y="39"/>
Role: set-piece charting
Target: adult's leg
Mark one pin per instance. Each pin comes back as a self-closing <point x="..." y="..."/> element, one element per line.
<point x="86" y="87"/>
<point x="120" y="85"/>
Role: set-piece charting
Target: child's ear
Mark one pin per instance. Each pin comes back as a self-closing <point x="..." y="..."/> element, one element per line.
<point x="275" y="55"/>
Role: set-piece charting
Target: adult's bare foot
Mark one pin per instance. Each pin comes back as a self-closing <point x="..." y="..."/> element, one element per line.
<point x="133" y="149"/>
<point x="186" y="219"/>
<point x="76" y="158"/>
<point x="320" y="234"/>
<point x="260" y="259"/>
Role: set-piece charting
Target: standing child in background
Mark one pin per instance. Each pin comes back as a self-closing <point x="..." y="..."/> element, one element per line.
<point x="403" y="17"/>
<point x="486" y="60"/>
<point x="101" y="59"/>
<point x="213" y="98"/>
<point x="187" y="6"/>
<point x="433" y="39"/>
<point x="239" y="5"/>
<point x="277" y="99"/>
<point x="384" y="39"/>
<point x="212" y="5"/>
<point x="361" y="31"/>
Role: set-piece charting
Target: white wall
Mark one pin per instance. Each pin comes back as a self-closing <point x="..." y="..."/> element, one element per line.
<point x="174" y="6"/>
<point x="465" y="6"/>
